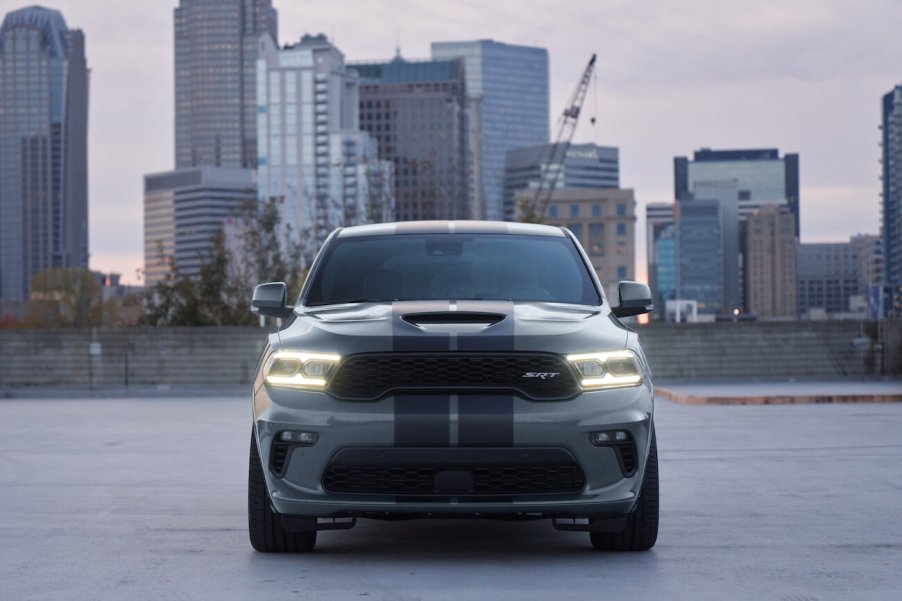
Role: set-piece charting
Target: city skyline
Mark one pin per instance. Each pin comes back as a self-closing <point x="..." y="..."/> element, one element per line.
<point x="806" y="79"/>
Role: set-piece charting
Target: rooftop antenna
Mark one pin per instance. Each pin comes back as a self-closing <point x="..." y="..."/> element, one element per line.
<point x="398" y="42"/>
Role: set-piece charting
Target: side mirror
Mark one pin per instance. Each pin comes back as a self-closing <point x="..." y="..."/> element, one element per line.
<point x="271" y="300"/>
<point x="635" y="299"/>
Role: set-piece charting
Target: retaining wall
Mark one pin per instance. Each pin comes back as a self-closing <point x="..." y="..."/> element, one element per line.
<point x="141" y="357"/>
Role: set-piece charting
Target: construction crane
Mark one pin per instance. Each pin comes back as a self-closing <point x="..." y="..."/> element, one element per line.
<point x="553" y="162"/>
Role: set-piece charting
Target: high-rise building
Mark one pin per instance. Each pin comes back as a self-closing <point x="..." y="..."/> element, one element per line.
<point x="770" y="263"/>
<point x="417" y="113"/>
<point x="604" y="221"/>
<point x="827" y="277"/>
<point x="891" y="201"/>
<point x="584" y="166"/>
<point x="312" y="153"/>
<point x="724" y="193"/>
<point x="184" y="210"/>
<point x="700" y="254"/>
<point x="215" y="80"/>
<point x="659" y="222"/>
<point x="43" y="148"/>
<point x="507" y="88"/>
<point x="761" y="177"/>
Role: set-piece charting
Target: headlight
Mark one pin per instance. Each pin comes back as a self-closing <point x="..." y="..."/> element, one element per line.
<point x="298" y="369"/>
<point x="617" y="369"/>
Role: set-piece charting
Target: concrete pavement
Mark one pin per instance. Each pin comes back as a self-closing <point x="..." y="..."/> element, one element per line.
<point x="144" y="498"/>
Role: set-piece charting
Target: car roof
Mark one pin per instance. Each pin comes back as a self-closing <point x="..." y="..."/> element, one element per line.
<point x="451" y="227"/>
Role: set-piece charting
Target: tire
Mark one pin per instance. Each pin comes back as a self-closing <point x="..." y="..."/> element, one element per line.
<point x="641" y="530"/>
<point x="263" y="523"/>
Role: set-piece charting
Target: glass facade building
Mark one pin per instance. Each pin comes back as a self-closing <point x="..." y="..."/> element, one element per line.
<point x="312" y="154"/>
<point x="507" y="89"/>
<point x="891" y="201"/>
<point x="700" y="263"/>
<point x="584" y="166"/>
<point x="215" y="80"/>
<point x="43" y="148"/>
<point x="761" y="176"/>
<point x="417" y="113"/>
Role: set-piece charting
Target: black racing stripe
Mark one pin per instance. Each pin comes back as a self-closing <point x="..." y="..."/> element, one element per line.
<point x="408" y="338"/>
<point x="497" y="337"/>
<point x="420" y="419"/>
<point x="487" y="419"/>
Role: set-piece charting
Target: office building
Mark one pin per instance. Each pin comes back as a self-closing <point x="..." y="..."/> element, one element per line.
<point x="827" y="277"/>
<point x="761" y="176"/>
<point x="891" y="198"/>
<point x="215" y="80"/>
<point x="312" y="153"/>
<point x="183" y="212"/>
<point x="417" y="113"/>
<point x="770" y="263"/>
<point x="700" y="254"/>
<point x="43" y="148"/>
<point x="659" y="221"/>
<point x="604" y="221"/>
<point x="584" y="166"/>
<point x="507" y="89"/>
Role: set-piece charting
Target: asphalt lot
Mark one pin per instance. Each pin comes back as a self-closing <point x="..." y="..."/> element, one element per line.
<point x="144" y="498"/>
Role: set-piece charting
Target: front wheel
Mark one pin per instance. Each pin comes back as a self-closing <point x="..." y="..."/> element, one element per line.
<point x="265" y="525"/>
<point x="641" y="530"/>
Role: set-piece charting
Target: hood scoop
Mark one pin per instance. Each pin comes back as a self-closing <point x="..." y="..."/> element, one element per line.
<point x="453" y="317"/>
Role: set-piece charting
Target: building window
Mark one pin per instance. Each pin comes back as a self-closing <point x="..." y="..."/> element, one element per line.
<point x="596" y="210"/>
<point x="621" y="209"/>
<point x="552" y="211"/>
<point x="595" y="231"/>
<point x="574" y="210"/>
<point x="577" y="230"/>
<point x="621" y="229"/>
<point x="621" y="272"/>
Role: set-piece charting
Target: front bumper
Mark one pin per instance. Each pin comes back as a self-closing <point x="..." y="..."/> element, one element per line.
<point x="563" y="425"/>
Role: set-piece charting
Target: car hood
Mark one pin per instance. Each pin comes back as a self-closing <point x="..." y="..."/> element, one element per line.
<point x="434" y="326"/>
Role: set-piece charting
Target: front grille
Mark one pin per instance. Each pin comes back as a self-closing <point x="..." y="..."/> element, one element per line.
<point x="369" y="376"/>
<point x="486" y="480"/>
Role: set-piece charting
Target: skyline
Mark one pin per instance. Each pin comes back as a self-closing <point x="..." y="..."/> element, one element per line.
<point x="671" y="80"/>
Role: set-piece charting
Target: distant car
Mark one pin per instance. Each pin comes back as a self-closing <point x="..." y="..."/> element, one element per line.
<point x="459" y="369"/>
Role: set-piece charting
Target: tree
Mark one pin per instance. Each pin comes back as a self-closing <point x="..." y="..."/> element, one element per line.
<point x="64" y="297"/>
<point x="220" y="293"/>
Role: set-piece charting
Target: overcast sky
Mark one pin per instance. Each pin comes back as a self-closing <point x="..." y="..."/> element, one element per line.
<point x="804" y="76"/>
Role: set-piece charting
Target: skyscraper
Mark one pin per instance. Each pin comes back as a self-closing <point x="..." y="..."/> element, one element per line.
<point x="659" y="225"/>
<point x="761" y="176"/>
<point x="770" y="263"/>
<point x="700" y="259"/>
<point x="312" y="153"/>
<point x="417" y="112"/>
<point x="215" y="80"/>
<point x="43" y="148"/>
<point x="183" y="212"/>
<point x="507" y="87"/>
<point x="584" y="166"/>
<point x="891" y="202"/>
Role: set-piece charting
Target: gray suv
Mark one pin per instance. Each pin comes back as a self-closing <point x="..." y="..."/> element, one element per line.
<point x="459" y="369"/>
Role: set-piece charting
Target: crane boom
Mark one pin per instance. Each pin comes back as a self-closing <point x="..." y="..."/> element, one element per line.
<point x="554" y="158"/>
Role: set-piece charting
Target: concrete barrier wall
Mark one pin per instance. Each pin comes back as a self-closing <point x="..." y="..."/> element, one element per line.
<point x="141" y="357"/>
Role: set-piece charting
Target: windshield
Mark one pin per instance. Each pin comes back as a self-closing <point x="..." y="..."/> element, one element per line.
<point x="452" y="267"/>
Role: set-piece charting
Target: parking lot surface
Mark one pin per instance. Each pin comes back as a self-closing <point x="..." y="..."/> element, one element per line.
<point x="144" y="498"/>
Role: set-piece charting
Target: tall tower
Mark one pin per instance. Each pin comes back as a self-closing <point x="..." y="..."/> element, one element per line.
<point x="891" y="203"/>
<point x="43" y="148"/>
<point x="507" y="90"/>
<point x="215" y="80"/>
